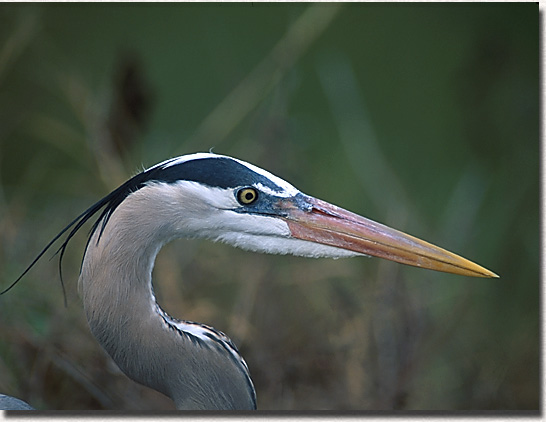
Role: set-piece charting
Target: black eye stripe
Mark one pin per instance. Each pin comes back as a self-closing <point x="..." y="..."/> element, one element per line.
<point x="221" y="172"/>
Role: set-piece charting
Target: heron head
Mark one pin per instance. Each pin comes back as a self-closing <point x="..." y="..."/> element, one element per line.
<point x="225" y="199"/>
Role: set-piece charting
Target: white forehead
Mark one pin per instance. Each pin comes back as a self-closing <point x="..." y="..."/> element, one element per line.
<point x="287" y="190"/>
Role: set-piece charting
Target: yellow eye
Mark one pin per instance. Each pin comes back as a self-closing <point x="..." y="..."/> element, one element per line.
<point x="247" y="196"/>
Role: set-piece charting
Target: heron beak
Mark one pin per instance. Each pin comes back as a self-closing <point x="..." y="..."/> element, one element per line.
<point x="318" y="221"/>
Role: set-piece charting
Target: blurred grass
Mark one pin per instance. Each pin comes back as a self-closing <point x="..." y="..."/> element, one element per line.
<point x="423" y="117"/>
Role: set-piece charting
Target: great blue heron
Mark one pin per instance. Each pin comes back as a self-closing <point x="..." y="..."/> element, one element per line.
<point x="220" y="198"/>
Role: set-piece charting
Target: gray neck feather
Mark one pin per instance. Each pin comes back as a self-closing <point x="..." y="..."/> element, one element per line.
<point x="148" y="345"/>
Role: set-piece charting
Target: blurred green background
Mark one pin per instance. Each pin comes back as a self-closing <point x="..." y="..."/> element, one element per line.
<point x="423" y="117"/>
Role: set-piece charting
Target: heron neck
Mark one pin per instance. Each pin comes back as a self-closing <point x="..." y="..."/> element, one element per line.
<point x="148" y="345"/>
<point x="116" y="288"/>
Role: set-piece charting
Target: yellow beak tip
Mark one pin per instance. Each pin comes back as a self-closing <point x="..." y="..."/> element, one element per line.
<point x="484" y="272"/>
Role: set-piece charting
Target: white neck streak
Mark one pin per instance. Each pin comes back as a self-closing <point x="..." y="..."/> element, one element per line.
<point x="197" y="366"/>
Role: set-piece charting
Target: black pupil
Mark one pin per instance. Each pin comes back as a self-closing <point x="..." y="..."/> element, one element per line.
<point x="249" y="196"/>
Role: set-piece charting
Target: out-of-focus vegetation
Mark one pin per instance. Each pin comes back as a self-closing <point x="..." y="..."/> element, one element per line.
<point x="423" y="117"/>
